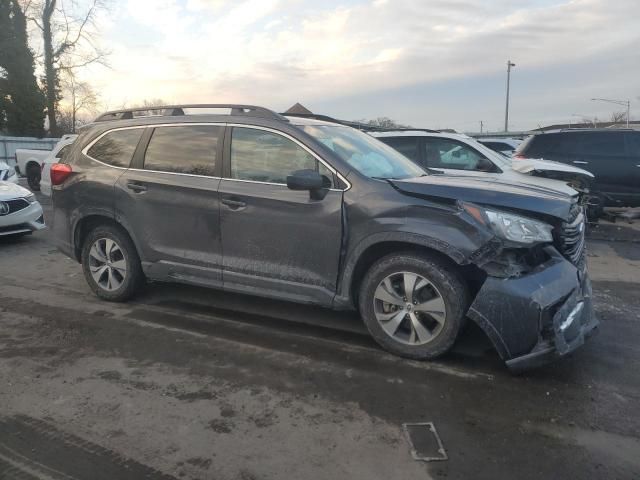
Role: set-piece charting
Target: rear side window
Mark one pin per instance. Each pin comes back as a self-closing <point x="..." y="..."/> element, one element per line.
<point x="407" y="146"/>
<point x="262" y="156"/>
<point x="186" y="149"/>
<point x="116" y="148"/>
<point x="549" y="143"/>
<point x="498" y="146"/>
<point x="603" y="143"/>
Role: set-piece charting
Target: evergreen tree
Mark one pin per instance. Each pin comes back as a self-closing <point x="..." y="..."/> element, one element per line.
<point x="21" y="100"/>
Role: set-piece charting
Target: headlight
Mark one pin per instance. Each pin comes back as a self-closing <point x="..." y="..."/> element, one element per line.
<point x="31" y="198"/>
<point x="519" y="229"/>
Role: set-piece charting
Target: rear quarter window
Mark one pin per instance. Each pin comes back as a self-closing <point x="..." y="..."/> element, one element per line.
<point x="116" y="147"/>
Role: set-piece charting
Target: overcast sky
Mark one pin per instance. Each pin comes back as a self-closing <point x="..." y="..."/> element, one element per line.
<point x="428" y="63"/>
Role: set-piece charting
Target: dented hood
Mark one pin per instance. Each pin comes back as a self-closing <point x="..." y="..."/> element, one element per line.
<point x="490" y="192"/>
<point x="532" y="165"/>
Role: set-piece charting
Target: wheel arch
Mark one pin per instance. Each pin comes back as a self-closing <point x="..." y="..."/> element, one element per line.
<point x="87" y="223"/>
<point x="377" y="246"/>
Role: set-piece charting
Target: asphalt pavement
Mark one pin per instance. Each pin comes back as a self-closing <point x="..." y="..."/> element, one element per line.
<point x="191" y="383"/>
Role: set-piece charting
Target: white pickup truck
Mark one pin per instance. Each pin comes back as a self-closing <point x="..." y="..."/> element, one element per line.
<point x="29" y="162"/>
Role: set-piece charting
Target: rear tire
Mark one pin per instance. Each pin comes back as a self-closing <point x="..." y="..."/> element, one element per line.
<point x="413" y="305"/>
<point x="33" y="177"/>
<point x="111" y="264"/>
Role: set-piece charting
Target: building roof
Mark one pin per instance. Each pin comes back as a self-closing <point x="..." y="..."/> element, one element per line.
<point x="298" y="109"/>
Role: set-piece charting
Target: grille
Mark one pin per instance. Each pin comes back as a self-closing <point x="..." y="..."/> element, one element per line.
<point x="16" y="205"/>
<point x="572" y="237"/>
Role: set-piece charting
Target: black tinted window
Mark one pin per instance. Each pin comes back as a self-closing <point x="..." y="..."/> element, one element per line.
<point x="498" y="146"/>
<point x="116" y="148"/>
<point x="408" y="146"/>
<point x="263" y="156"/>
<point x="189" y="149"/>
<point x="603" y="143"/>
<point x="634" y="143"/>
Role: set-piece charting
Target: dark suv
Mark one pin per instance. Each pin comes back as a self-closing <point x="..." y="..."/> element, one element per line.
<point x="250" y="201"/>
<point x="612" y="155"/>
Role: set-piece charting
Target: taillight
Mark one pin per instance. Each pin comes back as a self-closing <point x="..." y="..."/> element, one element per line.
<point x="59" y="173"/>
<point x="519" y="156"/>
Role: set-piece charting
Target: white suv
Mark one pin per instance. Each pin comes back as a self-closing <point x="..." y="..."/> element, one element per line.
<point x="55" y="156"/>
<point x="458" y="154"/>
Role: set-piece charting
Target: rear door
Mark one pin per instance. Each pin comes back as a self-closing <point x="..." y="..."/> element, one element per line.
<point x="169" y="200"/>
<point x="277" y="242"/>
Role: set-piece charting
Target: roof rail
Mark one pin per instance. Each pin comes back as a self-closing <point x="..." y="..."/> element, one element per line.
<point x="179" y="110"/>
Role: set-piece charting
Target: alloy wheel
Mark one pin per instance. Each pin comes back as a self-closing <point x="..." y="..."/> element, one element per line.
<point x="107" y="264"/>
<point x="409" y="308"/>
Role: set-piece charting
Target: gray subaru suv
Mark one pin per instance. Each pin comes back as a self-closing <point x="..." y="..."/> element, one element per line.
<point x="243" y="199"/>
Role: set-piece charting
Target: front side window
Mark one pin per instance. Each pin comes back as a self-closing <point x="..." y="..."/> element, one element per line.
<point x="262" y="156"/>
<point x="407" y="146"/>
<point x="364" y="153"/>
<point x="188" y="149"/>
<point x="116" y="148"/>
<point x="447" y="153"/>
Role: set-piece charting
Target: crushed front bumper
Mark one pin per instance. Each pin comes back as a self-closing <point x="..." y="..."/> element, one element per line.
<point x="538" y="317"/>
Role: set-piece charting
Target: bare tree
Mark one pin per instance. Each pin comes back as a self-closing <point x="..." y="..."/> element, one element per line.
<point x="81" y="97"/>
<point x="68" y="35"/>
<point x="382" y="122"/>
<point x="619" y="117"/>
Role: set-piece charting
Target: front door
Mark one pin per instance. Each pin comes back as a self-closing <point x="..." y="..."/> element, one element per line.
<point x="276" y="241"/>
<point x="169" y="200"/>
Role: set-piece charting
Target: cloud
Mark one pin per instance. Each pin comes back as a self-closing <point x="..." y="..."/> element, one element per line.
<point x="276" y="52"/>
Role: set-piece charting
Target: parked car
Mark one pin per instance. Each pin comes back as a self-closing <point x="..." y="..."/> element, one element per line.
<point x="457" y="154"/>
<point x="506" y="146"/>
<point x="314" y="212"/>
<point x="20" y="212"/>
<point x="7" y="174"/>
<point x="55" y="156"/>
<point x="612" y="155"/>
<point x="29" y="164"/>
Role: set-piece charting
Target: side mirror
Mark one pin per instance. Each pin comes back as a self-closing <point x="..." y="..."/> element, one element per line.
<point x="305" y="180"/>
<point x="309" y="180"/>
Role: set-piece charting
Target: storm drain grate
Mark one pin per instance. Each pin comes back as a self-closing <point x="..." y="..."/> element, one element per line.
<point x="424" y="441"/>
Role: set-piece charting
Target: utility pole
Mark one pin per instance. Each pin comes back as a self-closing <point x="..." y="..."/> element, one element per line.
<point x="624" y="103"/>
<point x="481" y="125"/>
<point x="506" y="112"/>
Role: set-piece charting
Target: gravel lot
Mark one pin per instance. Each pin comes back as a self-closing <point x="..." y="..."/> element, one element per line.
<point x="191" y="383"/>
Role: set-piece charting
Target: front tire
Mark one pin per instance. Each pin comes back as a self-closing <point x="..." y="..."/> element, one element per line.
<point x="413" y="305"/>
<point x="111" y="264"/>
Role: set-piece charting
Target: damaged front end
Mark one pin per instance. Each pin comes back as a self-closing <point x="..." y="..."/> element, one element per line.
<point x="535" y="304"/>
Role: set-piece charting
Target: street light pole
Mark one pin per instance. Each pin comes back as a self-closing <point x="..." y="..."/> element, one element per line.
<point x="506" y="112"/>
<point x="624" y="103"/>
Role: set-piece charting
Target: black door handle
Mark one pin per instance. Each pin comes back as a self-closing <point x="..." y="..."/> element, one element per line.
<point x="233" y="204"/>
<point x="136" y="187"/>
